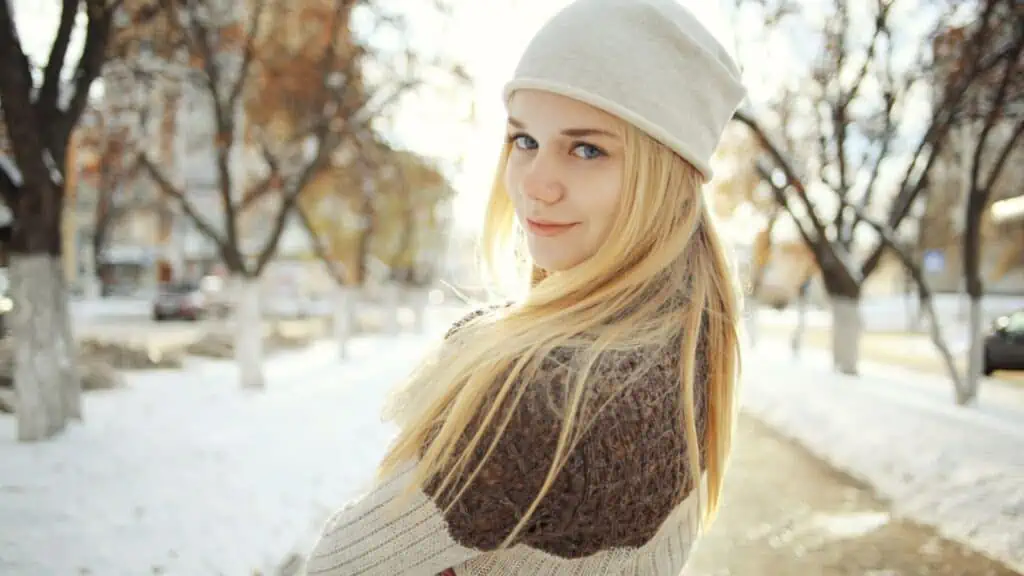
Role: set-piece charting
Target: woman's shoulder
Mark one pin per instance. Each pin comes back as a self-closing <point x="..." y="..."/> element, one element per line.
<point x="476" y="313"/>
<point x="624" y="476"/>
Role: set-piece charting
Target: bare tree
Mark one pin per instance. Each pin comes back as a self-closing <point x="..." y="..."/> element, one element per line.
<point x="326" y="229"/>
<point x="861" y="107"/>
<point x="39" y="118"/>
<point x="287" y="83"/>
<point x="113" y="172"/>
<point x="735" y="187"/>
<point x="991" y="125"/>
<point x="377" y="210"/>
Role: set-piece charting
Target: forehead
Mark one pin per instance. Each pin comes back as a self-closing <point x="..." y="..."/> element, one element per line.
<point x="546" y="109"/>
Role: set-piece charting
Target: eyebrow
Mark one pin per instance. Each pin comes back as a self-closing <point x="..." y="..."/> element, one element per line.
<point x="571" y="132"/>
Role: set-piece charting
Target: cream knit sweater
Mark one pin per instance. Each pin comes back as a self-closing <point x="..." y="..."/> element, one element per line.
<point x="620" y="506"/>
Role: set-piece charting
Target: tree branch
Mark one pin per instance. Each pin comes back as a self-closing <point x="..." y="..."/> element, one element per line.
<point x="931" y="144"/>
<point x="227" y="251"/>
<point x="8" y="189"/>
<point x="319" y="134"/>
<point x="786" y="168"/>
<point x="339" y="275"/>
<point x="247" y="54"/>
<point x="840" y="119"/>
<point x="198" y="36"/>
<point x="924" y="292"/>
<point x="995" y="113"/>
<point x="783" y="201"/>
<point x="89" y="66"/>
<point x="1004" y="155"/>
<point x="50" y="89"/>
<point x="881" y="25"/>
<point x="16" y="87"/>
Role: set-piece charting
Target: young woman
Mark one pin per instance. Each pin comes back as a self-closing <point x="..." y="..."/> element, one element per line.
<point x="583" y="428"/>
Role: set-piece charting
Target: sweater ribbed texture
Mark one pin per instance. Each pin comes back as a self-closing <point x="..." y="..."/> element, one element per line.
<point x="367" y="538"/>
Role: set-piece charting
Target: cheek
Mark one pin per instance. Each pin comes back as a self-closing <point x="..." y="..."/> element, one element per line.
<point x="603" y="204"/>
<point x="511" y="178"/>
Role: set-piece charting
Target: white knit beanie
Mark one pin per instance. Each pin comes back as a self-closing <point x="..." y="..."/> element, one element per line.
<point x="649" y="62"/>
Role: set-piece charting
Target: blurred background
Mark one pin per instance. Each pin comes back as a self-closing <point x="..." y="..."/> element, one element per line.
<point x="228" y="227"/>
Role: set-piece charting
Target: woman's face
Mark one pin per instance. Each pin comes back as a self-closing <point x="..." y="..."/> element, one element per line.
<point x="564" y="174"/>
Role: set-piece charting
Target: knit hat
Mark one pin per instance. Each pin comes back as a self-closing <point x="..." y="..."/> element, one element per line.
<point x="649" y="62"/>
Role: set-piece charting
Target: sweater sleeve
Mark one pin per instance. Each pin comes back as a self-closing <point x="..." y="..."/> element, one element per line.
<point x="372" y="537"/>
<point x="375" y="535"/>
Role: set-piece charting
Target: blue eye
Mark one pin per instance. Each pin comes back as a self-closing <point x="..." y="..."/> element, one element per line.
<point x="523" y="142"/>
<point x="587" y="151"/>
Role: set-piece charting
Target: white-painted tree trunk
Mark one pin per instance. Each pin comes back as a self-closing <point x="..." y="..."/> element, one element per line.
<point x="797" y="340"/>
<point x="976" y="354"/>
<point x="91" y="287"/>
<point x="846" y="331"/>
<point x="344" y="316"/>
<point x="911" y="309"/>
<point x="249" y="332"/>
<point x="752" y="320"/>
<point x="417" y="298"/>
<point x="41" y="352"/>
<point x="71" y="389"/>
<point x="390" y="305"/>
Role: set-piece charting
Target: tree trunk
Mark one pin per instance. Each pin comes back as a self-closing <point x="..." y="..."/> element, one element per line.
<point x="759" y="259"/>
<point x="752" y="320"/>
<point x="391" y="302"/>
<point x="801" y="320"/>
<point x="976" y="354"/>
<point x="71" y="389"/>
<point x="344" y="312"/>
<point x="249" y="332"/>
<point x="846" y="332"/>
<point x="41" y="354"/>
<point x="967" y="390"/>
<point x="417" y="297"/>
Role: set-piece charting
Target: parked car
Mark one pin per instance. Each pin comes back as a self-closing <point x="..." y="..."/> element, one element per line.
<point x="179" y="300"/>
<point x="1004" y="346"/>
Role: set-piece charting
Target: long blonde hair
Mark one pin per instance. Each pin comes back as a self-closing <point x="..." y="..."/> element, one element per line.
<point x="661" y="244"/>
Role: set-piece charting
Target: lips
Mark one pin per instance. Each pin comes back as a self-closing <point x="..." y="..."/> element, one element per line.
<point x="548" y="228"/>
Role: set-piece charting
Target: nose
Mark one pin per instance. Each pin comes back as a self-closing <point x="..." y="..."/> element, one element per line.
<point x="542" y="180"/>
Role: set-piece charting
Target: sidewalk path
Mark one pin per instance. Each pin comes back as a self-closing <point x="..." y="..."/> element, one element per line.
<point x="786" y="513"/>
<point x="959" y="469"/>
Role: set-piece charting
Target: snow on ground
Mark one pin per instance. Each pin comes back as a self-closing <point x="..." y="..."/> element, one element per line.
<point x="958" y="469"/>
<point x="119" y="307"/>
<point x="183" y="473"/>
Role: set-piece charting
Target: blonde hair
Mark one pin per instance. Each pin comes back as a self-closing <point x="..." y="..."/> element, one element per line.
<point x="662" y="245"/>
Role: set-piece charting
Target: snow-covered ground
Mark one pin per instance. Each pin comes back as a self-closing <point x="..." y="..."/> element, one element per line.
<point x="119" y="307"/>
<point x="182" y="473"/>
<point x="958" y="469"/>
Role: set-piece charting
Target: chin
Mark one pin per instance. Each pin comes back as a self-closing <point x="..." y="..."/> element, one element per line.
<point x="553" y="263"/>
